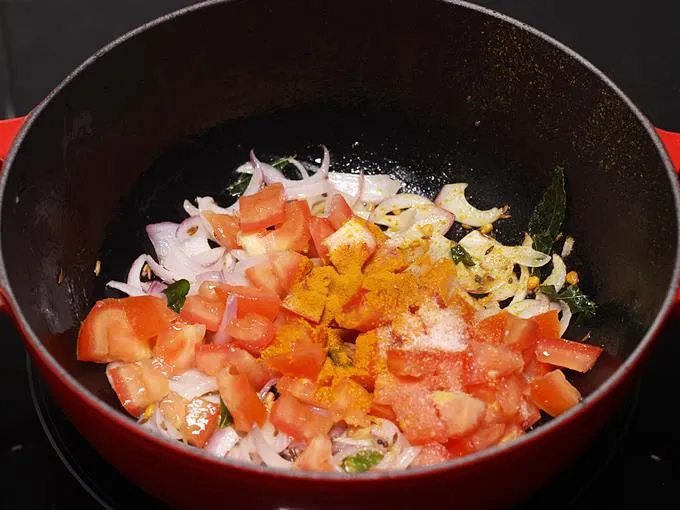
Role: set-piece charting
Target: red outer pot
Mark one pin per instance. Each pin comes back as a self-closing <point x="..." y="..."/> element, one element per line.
<point x="186" y="477"/>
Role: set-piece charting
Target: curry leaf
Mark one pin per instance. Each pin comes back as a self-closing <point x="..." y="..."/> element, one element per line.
<point x="460" y="254"/>
<point x="280" y="163"/>
<point x="548" y="215"/>
<point x="362" y="461"/>
<point x="176" y="294"/>
<point x="577" y="301"/>
<point x="236" y="188"/>
<point x="226" y="418"/>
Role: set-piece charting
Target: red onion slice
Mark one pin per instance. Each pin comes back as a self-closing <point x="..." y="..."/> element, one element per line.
<point x="301" y="168"/>
<point x="130" y="290"/>
<point x="221" y="336"/>
<point x="267" y="386"/>
<point x="193" y="383"/>
<point x="189" y="228"/>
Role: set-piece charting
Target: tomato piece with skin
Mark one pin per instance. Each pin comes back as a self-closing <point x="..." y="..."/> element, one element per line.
<point x="316" y="456"/>
<point x="148" y="315"/>
<point x="484" y="437"/>
<point x="137" y="384"/>
<point x="263" y="277"/>
<point x="211" y="358"/>
<point x="176" y="346"/>
<point x="225" y="228"/>
<point x="298" y="420"/>
<point x="199" y="310"/>
<point x="200" y="421"/>
<point x="350" y="402"/>
<point x="301" y="388"/>
<point x="263" y="209"/>
<point x="548" y="324"/>
<point x="304" y="360"/>
<point x="252" y="332"/>
<point x="340" y="211"/>
<point x="358" y="314"/>
<point x="520" y="334"/>
<point x="320" y="229"/>
<point x="107" y="335"/>
<point x="532" y="367"/>
<point x="460" y="413"/>
<point x="553" y="393"/>
<point x="250" y="299"/>
<point x="487" y="362"/>
<point x="244" y="363"/>
<point x="567" y="353"/>
<point x="293" y="234"/>
<point x="441" y="370"/>
<point x="288" y="266"/>
<point x="431" y="454"/>
<point x="383" y="411"/>
<point x="240" y="398"/>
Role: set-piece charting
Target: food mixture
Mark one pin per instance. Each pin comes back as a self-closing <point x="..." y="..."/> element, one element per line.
<point x="327" y="323"/>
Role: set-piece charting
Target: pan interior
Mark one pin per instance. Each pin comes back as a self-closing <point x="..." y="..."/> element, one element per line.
<point x="433" y="94"/>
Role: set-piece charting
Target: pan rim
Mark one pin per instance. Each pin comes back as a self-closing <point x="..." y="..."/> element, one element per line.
<point x="610" y="385"/>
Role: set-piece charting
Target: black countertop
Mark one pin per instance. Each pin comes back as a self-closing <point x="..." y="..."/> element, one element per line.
<point x="635" y="461"/>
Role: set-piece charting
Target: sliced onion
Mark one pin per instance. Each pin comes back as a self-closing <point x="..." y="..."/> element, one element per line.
<point x="266" y="452"/>
<point x="364" y="444"/>
<point x="408" y="455"/>
<point x="159" y="426"/>
<point x="346" y="452"/>
<point x="559" y="273"/>
<point x="360" y="191"/>
<point x="521" y="293"/>
<point x="190" y="227"/>
<point x="133" y="278"/>
<point x="566" y="317"/>
<point x="222" y="441"/>
<point x="212" y="276"/>
<point x="193" y="383"/>
<point x="395" y="204"/>
<point x="267" y="386"/>
<point x="452" y="198"/>
<point x="528" y="308"/>
<point x="385" y="430"/>
<point x="130" y="290"/>
<point x="567" y="247"/>
<point x="307" y="189"/>
<point x="221" y="335"/>
<point x="156" y="288"/>
<point x="489" y="310"/>
<point x="235" y="279"/>
<point x="480" y="247"/>
<point x="376" y="188"/>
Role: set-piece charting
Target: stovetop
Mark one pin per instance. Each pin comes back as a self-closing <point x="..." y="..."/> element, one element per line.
<point x="45" y="464"/>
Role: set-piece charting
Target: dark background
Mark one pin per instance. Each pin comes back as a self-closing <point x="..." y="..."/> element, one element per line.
<point x="636" y="43"/>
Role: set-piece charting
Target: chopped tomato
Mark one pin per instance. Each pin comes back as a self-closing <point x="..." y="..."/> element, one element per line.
<point x="225" y="228"/>
<point x="241" y="400"/>
<point x="567" y="353"/>
<point x="300" y="387"/>
<point x="487" y="362"/>
<point x="460" y="413"/>
<point x="350" y="402"/>
<point x="316" y="456"/>
<point x="293" y="234"/>
<point x="533" y="368"/>
<point x="298" y="420"/>
<point x="176" y="346"/>
<point x="251" y="300"/>
<point x="484" y="437"/>
<point x="288" y="267"/>
<point x="553" y="393"/>
<point x="548" y="324"/>
<point x="200" y="421"/>
<point x="279" y="272"/>
<point x="148" y="315"/>
<point x="320" y="229"/>
<point x="137" y="384"/>
<point x="491" y="329"/>
<point x="520" y="334"/>
<point x="431" y="454"/>
<point x="211" y="358"/>
<point x="263" y="209"/>
<point x="358" y="313"/>
<point x="252" y="332"/>
<point x="442" y="370"/>
<point x="262" y="276"/>
<point x="350" y="246"/>
<point x="510" y="395"/>
<point x="304" y="360"/>
<point x="386" y="258"/>
<point x="244" y="363"/>
<point x="383" y="411"/>
<point x="340" y="211"/>
<point x="107" y="335"/>
<point x="173" y="407"/>
<point x="199" y="310"/>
